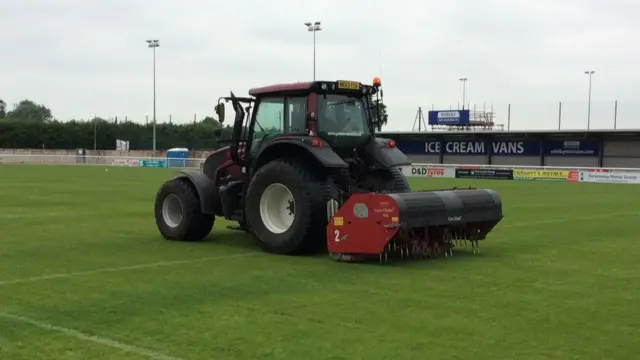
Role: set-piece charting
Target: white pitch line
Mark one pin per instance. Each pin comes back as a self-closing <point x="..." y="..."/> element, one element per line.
<point x="34" y="216"/>
<point x="120" y="268"/>
<point x="179" y="262"/>
<point x="91" y="338"/>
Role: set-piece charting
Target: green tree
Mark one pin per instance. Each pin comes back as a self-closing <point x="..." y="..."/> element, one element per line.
<point x="383" y="114"/>
<point x="3" y="109"/>
<point x="210" y="121"/>
<point x="27" y="110"/>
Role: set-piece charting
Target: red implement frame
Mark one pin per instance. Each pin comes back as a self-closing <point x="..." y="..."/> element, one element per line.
<point x="363" y="225"/>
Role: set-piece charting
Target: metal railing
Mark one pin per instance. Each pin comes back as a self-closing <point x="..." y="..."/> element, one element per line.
<point x="124" y="161"/>
<point x="127" y="161"/>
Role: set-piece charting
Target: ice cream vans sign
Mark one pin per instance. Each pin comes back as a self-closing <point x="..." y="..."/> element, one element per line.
<point x="498" y="148"/>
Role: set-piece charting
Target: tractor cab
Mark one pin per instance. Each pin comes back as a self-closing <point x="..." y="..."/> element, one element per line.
<point x="341" y="113"/>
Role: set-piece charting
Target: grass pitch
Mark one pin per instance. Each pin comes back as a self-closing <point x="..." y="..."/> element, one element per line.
<point x="84" y="274"/>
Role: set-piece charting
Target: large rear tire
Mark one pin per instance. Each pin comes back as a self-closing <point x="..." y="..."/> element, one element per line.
<point x="285" y="209"/>
<point x="391" y="180"/>
<point x="177" y="212"/>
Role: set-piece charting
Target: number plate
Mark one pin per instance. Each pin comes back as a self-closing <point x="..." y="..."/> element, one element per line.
<point x="349" y="85"/>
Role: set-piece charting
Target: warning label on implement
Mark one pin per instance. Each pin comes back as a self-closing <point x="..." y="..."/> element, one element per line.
<point x="552" y="175"/>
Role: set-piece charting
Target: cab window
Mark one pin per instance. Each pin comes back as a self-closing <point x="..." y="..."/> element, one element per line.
<point x="296" y="114"/>
<point x="342" y="114"/>
<point x="269" y="116"/>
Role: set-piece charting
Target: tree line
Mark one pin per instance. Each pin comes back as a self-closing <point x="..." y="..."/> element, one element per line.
<point x="32" y="125"/>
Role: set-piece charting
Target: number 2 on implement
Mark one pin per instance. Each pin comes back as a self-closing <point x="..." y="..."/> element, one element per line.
<point x="337" y="235"/>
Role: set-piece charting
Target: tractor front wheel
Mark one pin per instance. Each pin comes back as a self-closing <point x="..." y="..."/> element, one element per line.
<point x="178" y="214"/>
<point x="283" y="204"/>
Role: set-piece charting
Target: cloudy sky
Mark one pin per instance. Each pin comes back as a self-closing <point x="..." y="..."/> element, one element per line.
<point x="81" y="57"/>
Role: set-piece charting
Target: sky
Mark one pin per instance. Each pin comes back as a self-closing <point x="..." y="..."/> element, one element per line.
<point x="86" y="57"/>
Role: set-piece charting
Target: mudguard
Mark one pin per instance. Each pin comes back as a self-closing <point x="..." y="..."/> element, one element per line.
<point x="323" y="154"/>
<point x="207" y="191"/>
<point x="387" y="157"/>
<point x="214" y="160"/>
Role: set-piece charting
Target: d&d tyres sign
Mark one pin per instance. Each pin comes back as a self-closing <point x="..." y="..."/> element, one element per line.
<point x="437" y="172"/>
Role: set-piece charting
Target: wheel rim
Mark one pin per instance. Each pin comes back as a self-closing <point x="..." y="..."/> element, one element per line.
<point x="277" y="208"/>
<point x="172" y="211"/>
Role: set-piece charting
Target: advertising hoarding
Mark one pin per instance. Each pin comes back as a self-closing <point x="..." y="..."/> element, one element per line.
<point x="448" y="117"/>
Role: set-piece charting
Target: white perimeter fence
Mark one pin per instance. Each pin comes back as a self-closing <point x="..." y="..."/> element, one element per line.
<point x="460" y="171"/>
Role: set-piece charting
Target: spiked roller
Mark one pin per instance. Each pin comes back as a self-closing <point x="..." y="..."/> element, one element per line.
<point x="410" y="225"/>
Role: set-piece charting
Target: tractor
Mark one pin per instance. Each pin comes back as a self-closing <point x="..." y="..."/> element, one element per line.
<point x="305" y="172"/>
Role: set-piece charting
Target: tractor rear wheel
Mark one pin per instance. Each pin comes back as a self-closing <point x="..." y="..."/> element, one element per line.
<point x="178" y="214"/>
<point x="284" y="203"/>
<point x="391" y="180"/>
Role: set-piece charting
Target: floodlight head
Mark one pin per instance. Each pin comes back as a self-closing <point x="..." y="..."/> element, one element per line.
<point x="308" y="23"/>
<point x="316" y="23"/>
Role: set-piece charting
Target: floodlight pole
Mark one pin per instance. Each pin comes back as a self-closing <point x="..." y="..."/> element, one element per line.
<point x="153" y="44"/>
<point x="313" y="27"/>
<point x="464" y="91"/>
<point x="95" y="133"/>
<point x="590" y="73"/>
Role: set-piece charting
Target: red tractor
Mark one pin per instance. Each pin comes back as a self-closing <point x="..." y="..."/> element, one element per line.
<point x="305" y="171"/>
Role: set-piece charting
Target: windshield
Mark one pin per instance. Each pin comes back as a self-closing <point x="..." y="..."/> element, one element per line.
<point x="342" y="115"/>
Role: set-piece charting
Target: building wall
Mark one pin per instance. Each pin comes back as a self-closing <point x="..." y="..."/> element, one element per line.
<point x="572" y="161"/>
<point x="592" y="149"/>
<point x="465" y="159"/>
<point x="516" y="160"/>
<point x="622" y="154"/>
<point x="424" y="159"/>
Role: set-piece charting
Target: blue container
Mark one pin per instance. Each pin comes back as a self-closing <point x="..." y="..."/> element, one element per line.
<point x="177" y="157"/>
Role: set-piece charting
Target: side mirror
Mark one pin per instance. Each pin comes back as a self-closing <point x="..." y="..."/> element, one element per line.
<point x="311" y="116"/>
<point x="219" y="109"/>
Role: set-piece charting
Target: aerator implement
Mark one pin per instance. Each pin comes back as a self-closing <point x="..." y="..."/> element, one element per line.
<point x="304" y="172"/>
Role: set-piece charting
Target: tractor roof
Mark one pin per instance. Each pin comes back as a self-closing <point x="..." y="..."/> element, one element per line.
<point x="339" y="85"/>
<point x="280" y="87"/>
